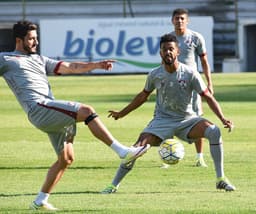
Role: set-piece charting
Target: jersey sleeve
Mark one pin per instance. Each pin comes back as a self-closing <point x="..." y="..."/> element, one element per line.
<point x="3" y="67"/>
<point x="51" y="65"/>
<point x="149" y="85"/>
<point x="201" y="46"/>
<point x="198" y="83"/>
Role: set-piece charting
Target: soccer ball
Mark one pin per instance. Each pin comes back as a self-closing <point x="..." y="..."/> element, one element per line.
<point x="171" y="151"/>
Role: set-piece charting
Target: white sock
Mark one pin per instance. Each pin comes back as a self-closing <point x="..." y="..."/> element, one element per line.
<point x="119" y="148"/>
<point x="199" y="155"/>
<point x="41" y="198"/>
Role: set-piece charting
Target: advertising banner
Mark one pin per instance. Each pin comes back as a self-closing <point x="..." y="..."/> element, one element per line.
<point x="133" y="42"/>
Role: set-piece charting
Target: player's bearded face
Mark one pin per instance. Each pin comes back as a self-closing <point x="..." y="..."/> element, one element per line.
<point x="169" y="52"/>
<point x="29" y="49"/>
<point x="30" y="42"/>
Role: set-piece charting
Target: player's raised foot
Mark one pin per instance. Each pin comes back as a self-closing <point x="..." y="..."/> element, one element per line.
<point x="224" y="184"/>
<point x="43" y="207"/>
<point x="200" y="162"/>
<point x="134" y="153"/>
<point x="109" y="189"/>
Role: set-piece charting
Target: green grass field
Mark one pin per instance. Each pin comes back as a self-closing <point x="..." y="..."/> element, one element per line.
<point x="26" y="154"/>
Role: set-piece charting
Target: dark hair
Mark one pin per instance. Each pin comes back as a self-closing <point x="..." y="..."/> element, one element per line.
<point x="179" y="11"/>
<point x="21" y="28"/>
<point x="168" y="38"/>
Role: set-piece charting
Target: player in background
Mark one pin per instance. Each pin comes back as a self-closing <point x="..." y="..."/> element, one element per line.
<point x="26" y="74"/>
<point x="174" y="83"/>
<point x="192" y="48"/>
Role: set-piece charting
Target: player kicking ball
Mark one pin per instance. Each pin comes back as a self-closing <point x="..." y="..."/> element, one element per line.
<point x="26" y="74"/>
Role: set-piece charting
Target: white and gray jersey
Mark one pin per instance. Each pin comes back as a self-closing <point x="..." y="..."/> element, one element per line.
<point x="26" y="75"/>
<point x="192" y="45"/>
<point x="174" y="90"/>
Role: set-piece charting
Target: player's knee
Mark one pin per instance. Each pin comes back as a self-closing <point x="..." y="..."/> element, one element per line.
<point x="213" y="134"/>
<point x="86" y="110"/>
<point x="65" y="160"/>
<point x="90" y="118"/>
<point x="88" y="113"/>
<point x="69" y="161"/>
<point x="64" y="163"/>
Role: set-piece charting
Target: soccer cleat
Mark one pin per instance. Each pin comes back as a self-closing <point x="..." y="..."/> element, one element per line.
<point x="223" y="183"/>
<point x="134" y="153"/>
<point x="109" y="189"/>
<point x="45" y="207"/>
<point x="200" y="162"/>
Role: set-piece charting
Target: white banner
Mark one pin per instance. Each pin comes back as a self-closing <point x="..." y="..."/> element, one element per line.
<point x="133" y="42"/>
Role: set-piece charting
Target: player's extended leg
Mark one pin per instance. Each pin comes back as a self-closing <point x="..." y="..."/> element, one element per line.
<point x="65" y="158"/>
<point x="87" y="114"/>
<point x="199" y="156"/>
<point x="213" y="134"/>
<point x="125" y="168"/>
<point x="122" y="171"/>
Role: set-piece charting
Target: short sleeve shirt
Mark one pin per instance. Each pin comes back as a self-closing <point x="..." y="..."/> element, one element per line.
<point x="174" y="90"/>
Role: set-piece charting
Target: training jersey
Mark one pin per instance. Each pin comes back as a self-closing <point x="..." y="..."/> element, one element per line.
<point x="192" y="45"/>
<point x="174" y="90"/>
<point x="26" y="75"/>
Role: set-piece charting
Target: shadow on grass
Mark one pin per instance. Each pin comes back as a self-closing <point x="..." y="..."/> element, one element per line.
<point x="54" y="193"/>
<point x="25" y="211"/>
<point x="242" y="93"/>
<point x="47" y="167"/>
<point x="92" y="192"/>
<point x="70" y="168"/>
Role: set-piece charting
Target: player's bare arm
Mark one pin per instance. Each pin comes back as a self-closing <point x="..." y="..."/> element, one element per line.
<point x="137" y="101"/>
<point x="83" y="67"/>
<point x="215" y="107"/>
<point x="207" y="72"/>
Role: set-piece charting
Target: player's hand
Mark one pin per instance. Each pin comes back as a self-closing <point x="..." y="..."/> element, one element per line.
<point x="106" y="64"/>
<point x="115" y="114"/>
<point x="228" y="124"/>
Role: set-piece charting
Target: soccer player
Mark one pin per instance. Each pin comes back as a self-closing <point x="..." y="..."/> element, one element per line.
<point x="174" y="83"/>
<point x="26" y="74"/>
<point x="192" y="47"/>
